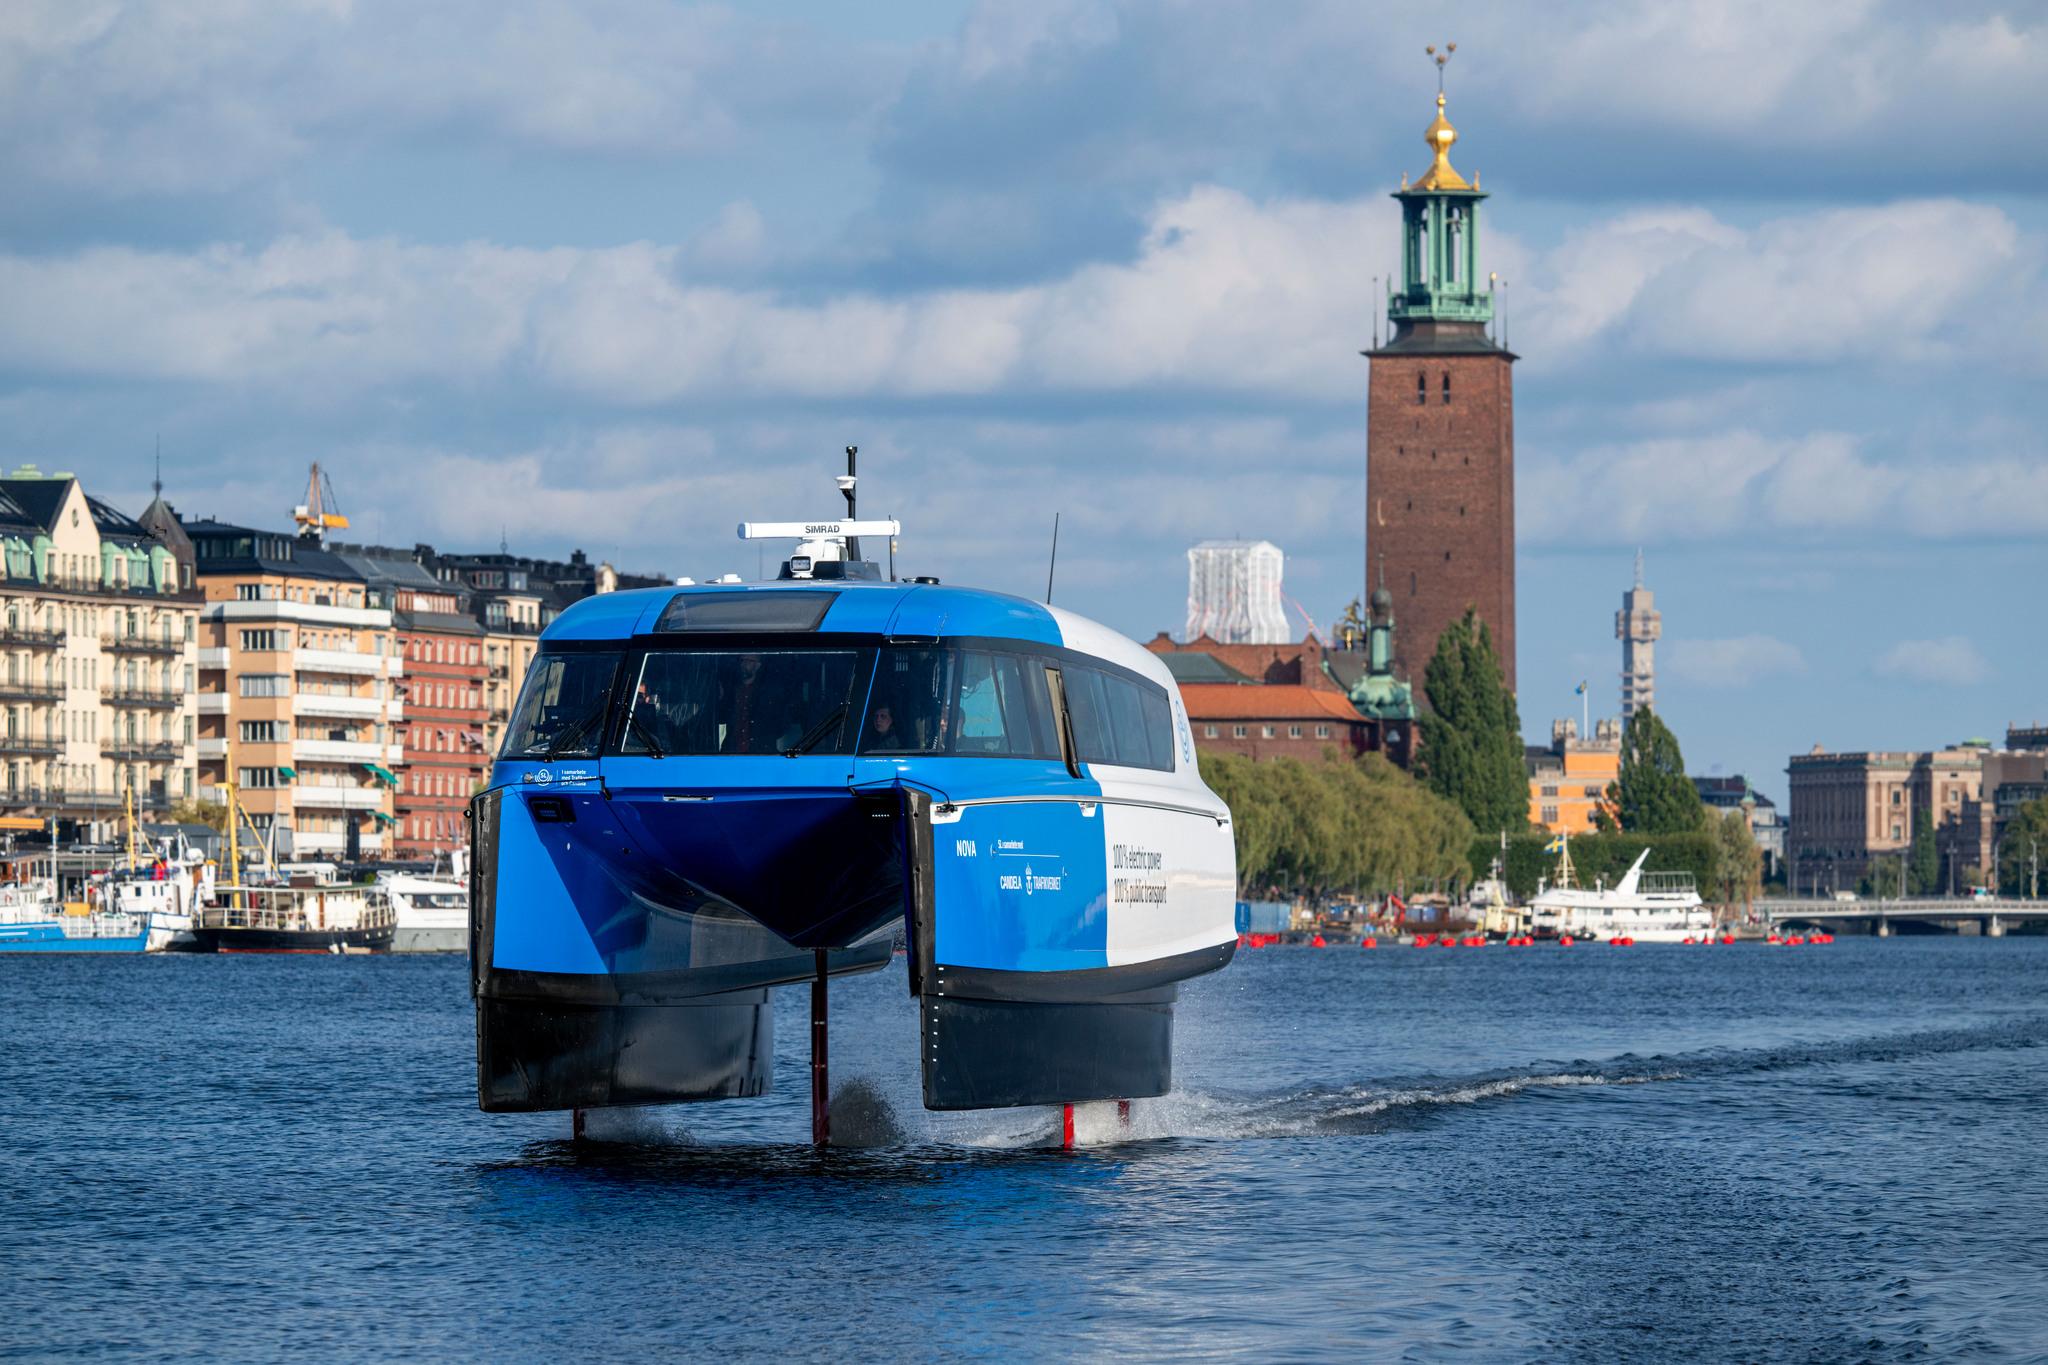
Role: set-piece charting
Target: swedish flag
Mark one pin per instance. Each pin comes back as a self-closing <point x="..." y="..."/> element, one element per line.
<point x="1580" y="690"/>
<point x="1555" y="845"/>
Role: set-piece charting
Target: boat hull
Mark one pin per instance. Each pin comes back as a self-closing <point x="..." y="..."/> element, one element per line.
<point x="50" y="937"/>
<point x="435" y="939"/>
<point x="371" y="939"/>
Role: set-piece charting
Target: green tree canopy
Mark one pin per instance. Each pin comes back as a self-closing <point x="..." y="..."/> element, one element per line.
<point x="1652" y="794"/>
<point x="1923" y="863"/>
<point x="1739" y="864"/>
<point x="1337" y="828"/>
<point x="1471" y="751"/>
<point x="2023" y="850"/>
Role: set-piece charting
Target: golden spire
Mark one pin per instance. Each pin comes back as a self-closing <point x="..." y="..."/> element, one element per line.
<point x="1440" y="135"/>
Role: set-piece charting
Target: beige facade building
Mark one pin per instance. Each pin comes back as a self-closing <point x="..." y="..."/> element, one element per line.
<point x="298" y="698"/>
<point x="1851" y="810"/>
<point x="98" y="629"/>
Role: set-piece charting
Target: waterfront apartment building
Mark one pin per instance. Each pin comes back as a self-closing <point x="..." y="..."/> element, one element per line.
<point x="1849" y="811"/>
<point x="298" y="674"/>
<point x="1568" y="781"/>
<point x="98" y="628"/>
<point x="441" y="727"/>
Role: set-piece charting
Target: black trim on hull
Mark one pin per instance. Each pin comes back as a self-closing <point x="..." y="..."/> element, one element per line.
<point x="679" y="987"/>
<point x="561" y="1056"/>
<point x="377" y="940"/>
<point x="1132" y="983"/>
<point x="988" y="1054"/>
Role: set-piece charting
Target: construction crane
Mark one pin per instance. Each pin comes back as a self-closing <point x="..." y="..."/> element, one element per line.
<point x="316" y="515"/>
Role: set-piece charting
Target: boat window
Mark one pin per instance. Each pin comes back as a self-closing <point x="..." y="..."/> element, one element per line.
<point x="744" y="611"/>
<point x="1119" y="720"/>
<point x="932" y="700"/>
<point x="756" y="701"/>
<point x="562" y="707"/>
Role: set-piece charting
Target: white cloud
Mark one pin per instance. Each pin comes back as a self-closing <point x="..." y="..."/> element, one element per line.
<point x="1725" y="485"/>
<point x="1224" y="293"/>
<point x="1948" y="661"/>
<point x="1735" y="662"/>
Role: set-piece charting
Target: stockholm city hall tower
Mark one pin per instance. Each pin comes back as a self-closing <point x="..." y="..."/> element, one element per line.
<point x="1440" y="426"/>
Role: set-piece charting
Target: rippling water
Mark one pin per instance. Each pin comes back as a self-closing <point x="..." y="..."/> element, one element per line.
<point x="1823" y="1152"/>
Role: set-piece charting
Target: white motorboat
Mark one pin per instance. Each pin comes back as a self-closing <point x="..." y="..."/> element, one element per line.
<point x="1644" y="907"/>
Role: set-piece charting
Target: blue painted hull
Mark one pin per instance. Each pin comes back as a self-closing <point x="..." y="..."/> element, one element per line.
<point x="49" y="937"/>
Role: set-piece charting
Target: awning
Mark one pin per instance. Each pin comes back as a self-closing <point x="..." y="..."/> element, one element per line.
<point x="288" y="774"/>
<point x="381" y="818"/>
<point x="383" y="774"/>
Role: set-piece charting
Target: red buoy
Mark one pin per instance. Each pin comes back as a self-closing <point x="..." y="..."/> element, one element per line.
<point x="1317" y="942"/>
<point x="1564" y="940"/>
<point x="1368" y="943"/>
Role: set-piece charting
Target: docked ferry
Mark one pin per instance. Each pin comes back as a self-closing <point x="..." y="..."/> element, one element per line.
<point x="1643" y="907"/>
<point x="708" y="791"/>
<point x="311" y="911"/>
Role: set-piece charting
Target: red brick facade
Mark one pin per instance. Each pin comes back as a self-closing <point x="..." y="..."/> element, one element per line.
<point x="444" y="747"/>
<point x="1277" y="720"/>
<point x="1300" y="663"/>
<point x="1440" y="492"/>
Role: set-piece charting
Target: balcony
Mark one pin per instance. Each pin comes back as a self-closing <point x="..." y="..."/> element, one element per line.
<point x="336" y="751"/>
<point x="142" y="750"/>
<point x="318" y="613"/>
<point x="31" y="691"/>
<point x="501" y="670"/>
<point x="47" y="747"/>
<point x="352" y="708"/>
<point x="344" y="661"/>
<point x="215" y="704"/>
<point x="216" y="747"/>
<point x="142" y="644"/>
<point x="106" y="801"/>
<point x="158" y="698"/>
<point x="499" y="714"/>
<point x="213" y="656"/>
<point x="344" y="798"/>
<point x="31" y="637"/>
<point x="308" y="841"/>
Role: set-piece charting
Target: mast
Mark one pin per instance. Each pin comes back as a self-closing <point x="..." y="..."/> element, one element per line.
<point x="128" y="807"/>
<point x="227" y="782"/>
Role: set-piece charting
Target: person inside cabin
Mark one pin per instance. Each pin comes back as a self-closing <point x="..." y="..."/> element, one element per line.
<point x="882" y="732"/>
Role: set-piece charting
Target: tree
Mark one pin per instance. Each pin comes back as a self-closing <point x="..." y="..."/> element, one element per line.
<point x="212" y="814"/>
<point x="1652" y="794"/>
<point x="1472" y="734"/>
<point x="1923" y="864"/>
<point x="2023" y="850"/>
<point x="1737" y="860"/>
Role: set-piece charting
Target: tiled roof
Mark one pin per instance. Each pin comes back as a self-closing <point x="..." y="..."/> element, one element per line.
<point x="1186" y="666"/>
<point x="1272" y="701"/>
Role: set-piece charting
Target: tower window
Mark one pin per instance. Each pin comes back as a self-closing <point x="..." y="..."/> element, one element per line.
<point x="1447" y="556"/>
<point x="1447" y="386"/>
<point x="1421" y="387"/>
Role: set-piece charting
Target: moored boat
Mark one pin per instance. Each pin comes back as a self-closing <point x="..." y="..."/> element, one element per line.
<point x="1643" y="907"/>
<point x="306" y="916"/>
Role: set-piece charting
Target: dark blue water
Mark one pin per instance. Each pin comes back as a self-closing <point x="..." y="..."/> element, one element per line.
<point x="1818" y="1153"/>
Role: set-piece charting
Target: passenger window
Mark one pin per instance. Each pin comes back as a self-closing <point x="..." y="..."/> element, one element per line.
<point x="1027" y="712"/>
<point x="1119" y="720"/>
<point x="980" y="711"/>
<point x="907" y="712"/>
<point x="1090" y="711"/>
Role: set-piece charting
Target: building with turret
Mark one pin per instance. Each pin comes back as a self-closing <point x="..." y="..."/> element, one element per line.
<point x="1440" y="446"/>
<point x="1638" y="625"/>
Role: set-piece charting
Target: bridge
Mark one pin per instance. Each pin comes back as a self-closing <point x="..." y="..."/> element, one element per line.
<point x="1993" y="914"/>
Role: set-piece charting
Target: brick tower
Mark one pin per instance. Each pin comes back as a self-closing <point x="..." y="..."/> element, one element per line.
<point x="1440" y="425"/>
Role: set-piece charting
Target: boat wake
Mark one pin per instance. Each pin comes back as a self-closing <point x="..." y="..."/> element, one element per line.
<point x="864" y="1116"/>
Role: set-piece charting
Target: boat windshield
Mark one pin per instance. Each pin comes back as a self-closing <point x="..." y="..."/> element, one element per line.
<point x="562" y="708"/>
<point x="746" y="701"/>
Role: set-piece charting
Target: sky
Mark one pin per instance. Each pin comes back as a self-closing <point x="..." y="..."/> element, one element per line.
<point x="618" y="274"/>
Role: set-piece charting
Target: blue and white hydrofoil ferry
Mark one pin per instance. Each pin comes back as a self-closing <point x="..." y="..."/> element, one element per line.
<point x="709" y="791"/>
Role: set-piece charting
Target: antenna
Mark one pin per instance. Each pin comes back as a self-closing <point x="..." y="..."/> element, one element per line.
<point x="1639" y="566"/>
<point x="1053" y="562"/>
<point x="158" y="486"/>
<point x="846" y="483"/>
<point x="1441" y="59"/>
<point x="1376" y="314"/>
